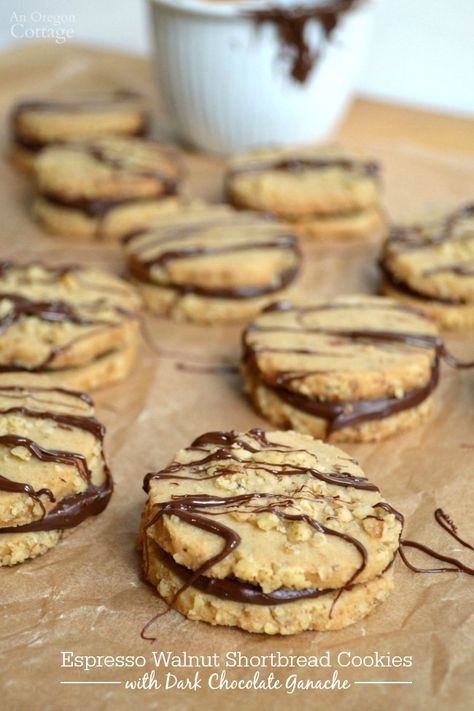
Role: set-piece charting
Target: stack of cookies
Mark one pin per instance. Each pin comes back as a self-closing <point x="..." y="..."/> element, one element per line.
<point x="212" y="264"/>
<point x="353" y="368"/>
<point x="53" y="471"/>
<point x="271" y="532"/>
<point x="430" y="265"/>
<point x="38" y="123"/>
<point x="66" y="326"/>
<point x="103" y="188"/>
<point x="324" y="193"/>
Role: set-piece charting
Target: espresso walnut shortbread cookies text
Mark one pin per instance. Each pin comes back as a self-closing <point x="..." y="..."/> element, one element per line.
<point x="68" y="326"/>
<point x="322" y="192"/>
<point x="431" y="266"/>
<point x="272" y="532"/>
<point x="212" y="263"/>
<point x="53" y="471"/>
<point x="352" y="368"/>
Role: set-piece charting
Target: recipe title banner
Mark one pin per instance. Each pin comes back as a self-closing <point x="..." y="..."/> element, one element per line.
<point x="167" y="670"/>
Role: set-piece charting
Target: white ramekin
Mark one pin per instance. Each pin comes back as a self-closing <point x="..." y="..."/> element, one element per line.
<point x="228" y="86"/>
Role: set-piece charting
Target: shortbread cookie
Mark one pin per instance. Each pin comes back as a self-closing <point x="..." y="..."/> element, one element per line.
<point x="212" y="263"/>
<point x="322" y="192"/>
<point x="431" y="265"/>
<point x="353" y="368"/>
<point x="37" y="123"/>
<point x="53" y="471"/>
<point x="271" y="532"/>
<point x="103" y="188"/>
<point x="66" y="326"/>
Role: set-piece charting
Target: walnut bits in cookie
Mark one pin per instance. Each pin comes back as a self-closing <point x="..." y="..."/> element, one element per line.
<point x="353" y="368"/>
<point x="272" y="532"/>
<point x="212" y="263"/>
<point x="104" y="188"/>
<point x="322" y="192"/>
<point x="67" y="326"/>
<point x="431" y="266"/>
<point x="53" y="471"/>
<point x="40" y="122"/>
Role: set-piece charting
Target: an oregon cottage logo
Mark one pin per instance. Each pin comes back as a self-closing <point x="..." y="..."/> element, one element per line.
<point x="38" y="25"/>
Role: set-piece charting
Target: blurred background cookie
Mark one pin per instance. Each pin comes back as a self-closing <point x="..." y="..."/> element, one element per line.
<point x="37" y="123"/>
<point x="104" y="188"/>
<point x="272" y="532"/>
<point x="68" y="326"/>
<point x="54" y="474"/>
<point x="212" y="263"/>
<point x="431" y="266"/>
<point x="322" y="192"/>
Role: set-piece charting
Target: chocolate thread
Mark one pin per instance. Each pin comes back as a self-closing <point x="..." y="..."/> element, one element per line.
<point x="448" y="525"/>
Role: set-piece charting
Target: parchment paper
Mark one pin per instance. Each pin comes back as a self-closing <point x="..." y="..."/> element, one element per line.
<point x="86" y="595"/>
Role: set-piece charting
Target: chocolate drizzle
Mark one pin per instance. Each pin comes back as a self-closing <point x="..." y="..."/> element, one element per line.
<point x="54" y="311"/>
<point x="416" y="237"/>
<point x="216" y="369"/>
<point x="297" y="163"/>
<point x="226" y="440"/>
<point x="456" y="566"/>
<point x="71" y="107"/>
<point x="142" y="268"/>
<point x="338" y="413"/>
<point x="97" y="208"/>
<point x="411" y="237"/>
<point x="18" y="487"/>
<point x="45" y="310"/>
<point x="195" y="509"/>
<point x="71" y="509"/>
<point x="291" y="24"/>
<point x="405" y="288"/>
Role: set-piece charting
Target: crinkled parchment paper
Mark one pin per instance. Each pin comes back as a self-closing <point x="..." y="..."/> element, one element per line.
<point x="86" y="595"/>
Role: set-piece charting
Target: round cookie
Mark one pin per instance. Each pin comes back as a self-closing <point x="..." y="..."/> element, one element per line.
<point x="322" y="192"/>
<point x="104" y="188"/>
<point x="212" y="263"/>
<point x="36" y="123"/>
<point x="53" y="471"/>
<point x="66" y="326"/>
<point x="271" y="532"/>
<point x="353" y="368"/>
<point x="431" y="266"/>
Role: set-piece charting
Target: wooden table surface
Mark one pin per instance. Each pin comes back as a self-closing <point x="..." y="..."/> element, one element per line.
<point x="373" y="121"/>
